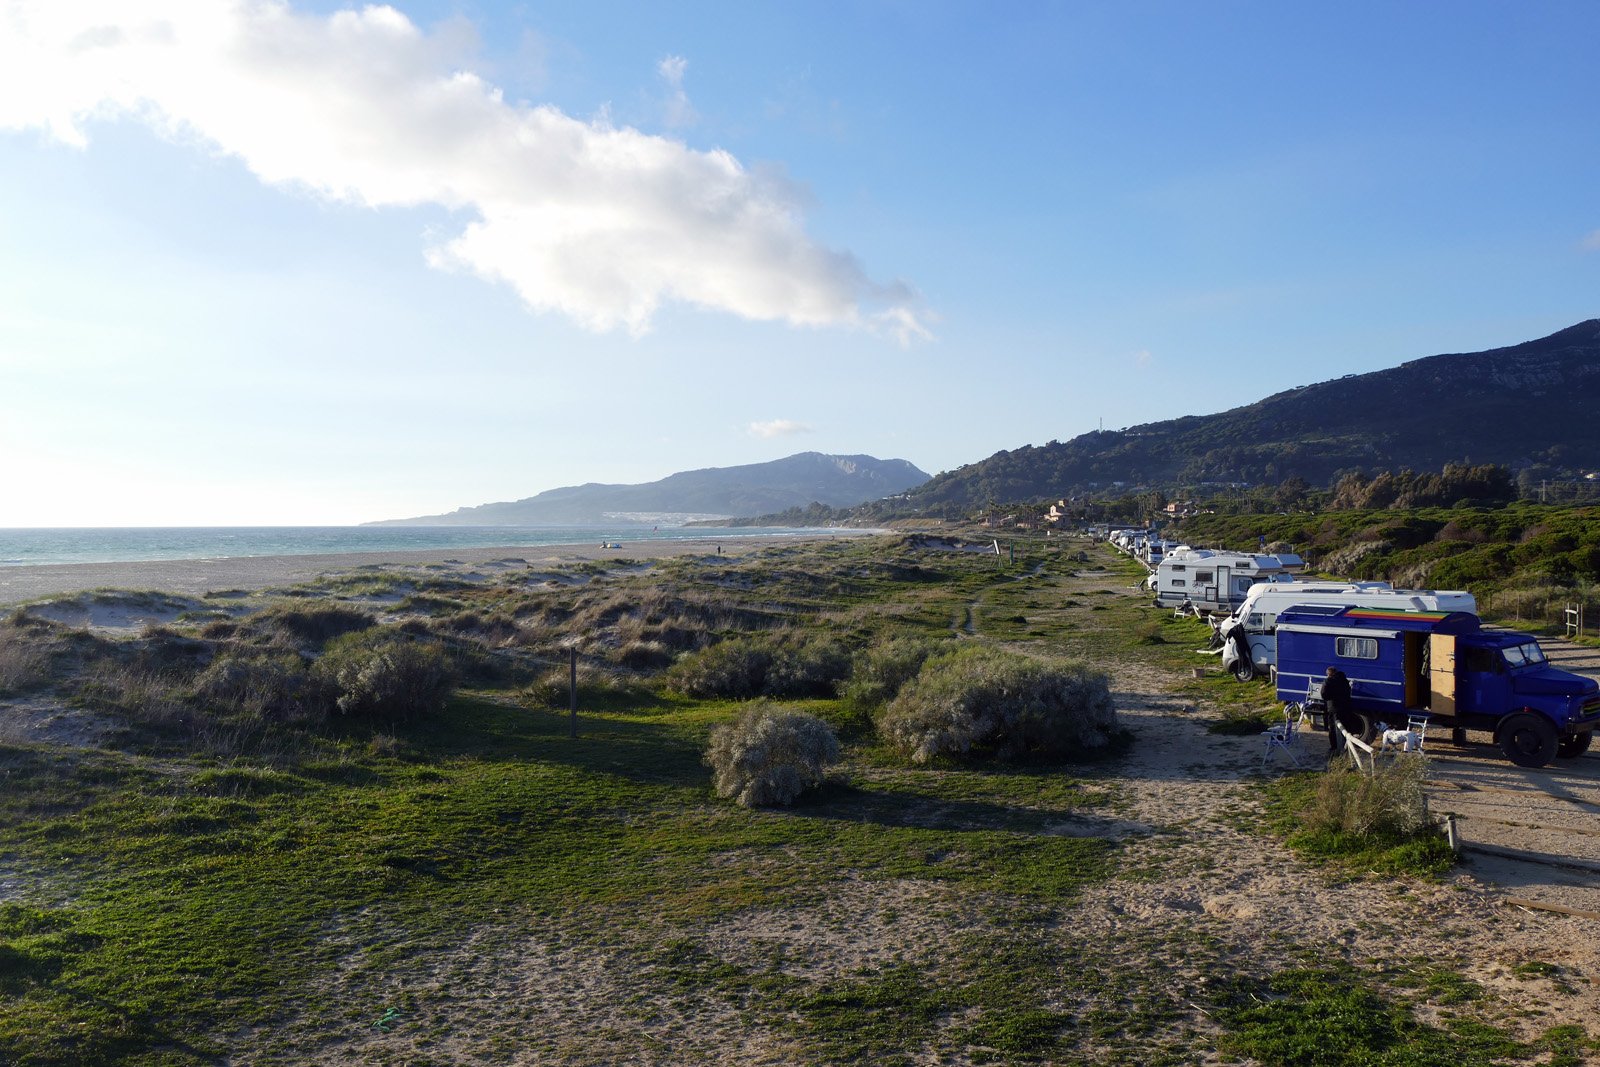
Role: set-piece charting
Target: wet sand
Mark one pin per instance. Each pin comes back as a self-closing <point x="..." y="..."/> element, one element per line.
<point x="195" y="577"/>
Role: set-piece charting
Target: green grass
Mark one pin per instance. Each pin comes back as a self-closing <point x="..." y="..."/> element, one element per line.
<point x="1333" y="1017"/>
<point x="199" y="895"/>
<point x="180" y="901"/>
<point x="1427" y="855"/>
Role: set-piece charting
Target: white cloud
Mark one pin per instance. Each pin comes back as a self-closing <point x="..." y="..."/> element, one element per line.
<point x="777" y="428"/>
<point x="679" y="112"/>
<point x="599" y="223"/>
<point x="1591" y="243"/>
<point x="1142" y="359"/>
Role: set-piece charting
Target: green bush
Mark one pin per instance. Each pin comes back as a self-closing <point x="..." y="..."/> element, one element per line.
<point x="878" y="673"/>
<point x="979" y="700"/>
<point x="770" y="755"/>
<point x="382" y="674"/>
<point x="743" y="668"/>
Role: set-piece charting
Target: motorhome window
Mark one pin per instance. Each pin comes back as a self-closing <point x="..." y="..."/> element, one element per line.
<point x="1179" y="567"/>
<point x="1356" y="647"/>
<point x="1527" y="655"/>
<point x="1481" y="661"/>
<point x="1177" y="581"/>
<point x="1202" y="576"/>
<point x="1255" y="622"/>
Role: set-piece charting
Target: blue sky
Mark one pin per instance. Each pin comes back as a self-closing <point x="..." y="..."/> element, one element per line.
<point x="267" y="263"/>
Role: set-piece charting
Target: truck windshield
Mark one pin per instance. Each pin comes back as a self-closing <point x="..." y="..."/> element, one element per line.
<point x="1528" y="655"/>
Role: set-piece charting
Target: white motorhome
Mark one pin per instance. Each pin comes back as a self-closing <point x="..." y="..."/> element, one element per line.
<point x="1252" y="628"/>
<point x="1211" y="581"/>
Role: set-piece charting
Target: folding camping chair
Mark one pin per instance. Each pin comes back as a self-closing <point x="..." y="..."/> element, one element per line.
<point x="1281" y="736"/>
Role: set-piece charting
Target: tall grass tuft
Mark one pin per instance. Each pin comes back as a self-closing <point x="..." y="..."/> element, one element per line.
<point x="1389" y="802"/>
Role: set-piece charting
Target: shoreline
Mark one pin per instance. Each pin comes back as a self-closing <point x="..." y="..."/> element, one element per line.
<point x="196" y="577"/>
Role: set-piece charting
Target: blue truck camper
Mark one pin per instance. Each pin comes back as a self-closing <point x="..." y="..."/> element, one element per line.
<point x="1445" y="665"/>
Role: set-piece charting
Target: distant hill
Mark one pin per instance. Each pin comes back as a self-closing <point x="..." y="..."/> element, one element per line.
<point x="715" y="492"/>
<point x="1528" y="405"/>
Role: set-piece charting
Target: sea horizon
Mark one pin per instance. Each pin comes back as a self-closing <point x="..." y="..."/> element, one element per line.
<point x="48" y="545"/>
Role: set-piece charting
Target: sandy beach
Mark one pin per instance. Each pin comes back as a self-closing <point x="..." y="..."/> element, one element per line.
<point x="196" y="577"/>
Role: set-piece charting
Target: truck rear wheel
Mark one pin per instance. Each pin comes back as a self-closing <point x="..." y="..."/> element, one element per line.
<point x="1528" y="740"/>
<point x="1574" y="745"/>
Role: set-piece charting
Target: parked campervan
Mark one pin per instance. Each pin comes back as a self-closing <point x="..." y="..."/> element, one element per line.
<point x="1249" y="635"/>
<point x="1210" y="581"/>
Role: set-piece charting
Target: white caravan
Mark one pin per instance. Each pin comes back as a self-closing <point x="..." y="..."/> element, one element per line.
<point x="1211" y="581"/>
<point x="1253" y="627"/>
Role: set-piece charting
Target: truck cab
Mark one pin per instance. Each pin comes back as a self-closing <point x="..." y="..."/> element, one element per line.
<point x="1444" y="665"/>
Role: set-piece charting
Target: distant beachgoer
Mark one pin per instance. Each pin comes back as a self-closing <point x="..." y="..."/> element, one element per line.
<point x="719" y="550"/>
<point x="1336" y="697"/>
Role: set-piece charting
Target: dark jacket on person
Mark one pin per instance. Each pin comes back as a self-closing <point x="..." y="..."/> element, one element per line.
<point x="1336" y="695"/>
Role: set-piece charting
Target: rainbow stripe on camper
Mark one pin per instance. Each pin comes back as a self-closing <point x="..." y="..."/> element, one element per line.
<point x="1394" y="614"/>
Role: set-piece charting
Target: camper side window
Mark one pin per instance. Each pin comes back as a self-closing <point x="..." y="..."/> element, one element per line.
<point x="1179" y="567"/>
<point x="1202" y="576"/>
<point x="1177" y="581"/>
<point x="1356" y="647"/>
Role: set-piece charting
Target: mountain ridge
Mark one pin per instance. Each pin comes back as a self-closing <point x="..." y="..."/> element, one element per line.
<point x="706" y="493"/>
<point x="1522" y="406"/>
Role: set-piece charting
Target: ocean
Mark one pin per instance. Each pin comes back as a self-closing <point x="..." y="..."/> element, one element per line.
<point x="27" y="547"/>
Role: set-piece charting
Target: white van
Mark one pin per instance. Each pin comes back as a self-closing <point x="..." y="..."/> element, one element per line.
<point x="1210" y="581"/>
<point x="1254" y="625"/>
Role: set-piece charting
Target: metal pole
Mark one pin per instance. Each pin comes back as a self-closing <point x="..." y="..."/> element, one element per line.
<point x="572" y="692"/>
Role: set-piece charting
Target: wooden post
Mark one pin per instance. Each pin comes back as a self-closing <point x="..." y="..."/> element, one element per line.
<point x="572" y="692"/>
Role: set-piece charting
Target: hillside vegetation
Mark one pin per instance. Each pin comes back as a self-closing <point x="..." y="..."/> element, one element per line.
<point x="1516" y="556"/>
<point x="1528" y="406"/>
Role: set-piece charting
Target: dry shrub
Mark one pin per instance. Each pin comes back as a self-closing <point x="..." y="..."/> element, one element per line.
<point x="310" y="627"/>
<point x="781" y="666"/>
<point x="23" y="664"/>
<point x="277" y="688"/>
<point x="771" y="755"/>
<point x="493" y="630"/>
<point x="1455" y="531"/>
<point x="979" y="700"/>
<point x="143" y="695"/>
<point x="1391" y="801"/>
<point x="644" y="654"/>
<point x="384" y="675"/>
<point x="553" y="688"/>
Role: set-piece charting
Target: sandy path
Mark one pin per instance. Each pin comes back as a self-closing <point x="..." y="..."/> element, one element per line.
<point x="1219" y="879"/>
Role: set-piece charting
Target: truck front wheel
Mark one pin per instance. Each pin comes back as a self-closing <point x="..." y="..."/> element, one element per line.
<point x="1529" y="740"/>
<point x="1574" y="745"/>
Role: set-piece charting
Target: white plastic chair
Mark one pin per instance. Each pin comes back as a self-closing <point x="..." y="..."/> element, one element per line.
<point x="1417" y="723"/>
<point x="1281" y="736"/>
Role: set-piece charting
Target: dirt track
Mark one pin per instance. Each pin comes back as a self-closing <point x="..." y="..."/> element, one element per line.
<point x="1533" y="834"/>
